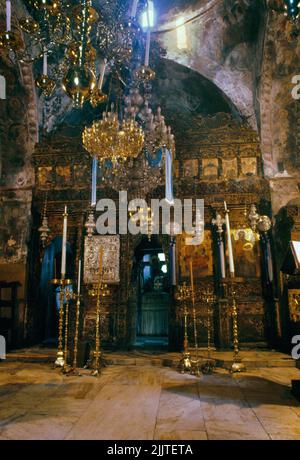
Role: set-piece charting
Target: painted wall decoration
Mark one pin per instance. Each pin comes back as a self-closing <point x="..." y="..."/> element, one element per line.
<point x="201" y="254"/>
<point x="230" y="168"/>
<point x="111" y="259"/>
<point x="63" y="174"/>
<point x="249" y="166"/>
<point x="210" y="167"/>
<point x="80" y="173"/>
<point x="246" y="253"/>
<point x="45" y="175"/>
<point x="190" y="168"/>
<point x="176" y="168"/>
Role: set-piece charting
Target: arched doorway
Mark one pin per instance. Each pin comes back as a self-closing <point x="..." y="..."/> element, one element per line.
<point x="151" y="301"/>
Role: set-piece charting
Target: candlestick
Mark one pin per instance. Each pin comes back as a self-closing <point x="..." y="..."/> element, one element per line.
<point x="102" y="73"/>
<point x="8" y="15"/>
<point x="63" y="283"/>
<point x="147" y="53"/>
<point x="79" y="278"/>
<point x="45" y="63"/>
<point x="134" y="8"/>
<point x="194" y="362"/>
<point x="229" y="242"/>
<point x="64" y="245"/>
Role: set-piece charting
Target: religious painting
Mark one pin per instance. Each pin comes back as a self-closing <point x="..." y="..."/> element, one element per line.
<point x="176" y="168"/>
<point x="200" y="254"/>
<point x="44" y="175"/>
<point x="249" y="166"/>
<point x="210" y="167"/>
<point x="190" y="168"/>
<point x="80" y="174"/>
<point x="229" y="167"/>
<point x="246" y="253"/>
<point x="110" y="247"/>
<point x="294" y="304"/>
<point x="63" y="175"/>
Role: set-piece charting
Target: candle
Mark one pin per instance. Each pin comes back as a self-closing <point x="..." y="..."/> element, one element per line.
<point x="229" y="242"/>
<point x="8" y="15"/>
<point x="147" y="53"/>
<point x="102" y="73"/>
<point x="79" y="277"/>
<point x="94" y="181"/>
<point x="64" y="245"/>
<point x="134" y="8"/>
<point x="45" y="63"/>
<point x="222" y="259"/>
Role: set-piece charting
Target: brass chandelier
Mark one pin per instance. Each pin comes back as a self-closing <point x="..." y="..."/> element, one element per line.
<point x="70" y="39"/>
<point x="114" y="140"/>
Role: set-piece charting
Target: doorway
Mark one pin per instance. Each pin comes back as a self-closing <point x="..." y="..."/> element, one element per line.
<point x="152" y="303"/>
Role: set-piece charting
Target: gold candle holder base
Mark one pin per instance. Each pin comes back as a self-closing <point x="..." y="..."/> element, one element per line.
<point x="237" y="366"/>
<point x="185" y="364"/>
<point x="60" y="362"/>
<point x="97" y="364"/>
<point x="72" y="372"/>
<point x="208" y="367"/>
<point x="189" y="365"/>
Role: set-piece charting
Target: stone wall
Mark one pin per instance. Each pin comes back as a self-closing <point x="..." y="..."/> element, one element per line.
<point x="18" y="134"/>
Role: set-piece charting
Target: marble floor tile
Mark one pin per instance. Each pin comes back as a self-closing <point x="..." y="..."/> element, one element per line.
<point x="120" y="412"/>
<point x="180" y="435"/>
<point x="146" y="402"/>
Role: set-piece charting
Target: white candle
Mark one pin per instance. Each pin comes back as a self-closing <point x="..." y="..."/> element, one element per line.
<point x="102" y="73"/>
<point x="45" y="63"/>
<point x="147" y="53"/>
<point x="79" y="277"/>
<point x="8" y="15"/>
<point x="64" y="245"/>
<point x="222" y="260"/>
<point x="229" y="242"/>
<point x="134" y="8"/>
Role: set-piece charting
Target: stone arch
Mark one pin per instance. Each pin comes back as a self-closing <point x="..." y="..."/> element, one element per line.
<point x="223" y="46"/>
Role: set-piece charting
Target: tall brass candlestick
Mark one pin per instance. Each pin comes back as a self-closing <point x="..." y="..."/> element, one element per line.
<point x="60" y="361"/>
<point x="100" y="291"/>
<point x="185" y="364"/>
<point x="97" y="353"/>
<point x="76" y="331"/>
<point x="77" y="316"/>
<point x="69" y="296"/>
<point x="237" y="365"/>
<point x="194" y="309"/>
<point x="195" y="362"/>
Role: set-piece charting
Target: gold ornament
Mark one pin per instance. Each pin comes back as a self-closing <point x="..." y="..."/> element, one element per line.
<point x="109" y="139"/>
<point x="79" y="84"/>
<point x="10" y="41"/>
<point x="45" y="84"/>
<point x="97" y="97"/>
<point x="29" y="25"/>
<point x="74" y="52"/>
<point x="53" y="6"/>
<point x="144" y="74"/>
<point x="78" y="15"/>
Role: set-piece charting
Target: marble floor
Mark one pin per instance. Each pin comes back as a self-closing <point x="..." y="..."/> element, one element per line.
<point x="146" y="403"/>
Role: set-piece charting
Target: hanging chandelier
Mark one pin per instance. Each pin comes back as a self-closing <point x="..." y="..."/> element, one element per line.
<point x="113" y="140"/>
<point x="290" y="8"/>
<point x="70" y="40"/>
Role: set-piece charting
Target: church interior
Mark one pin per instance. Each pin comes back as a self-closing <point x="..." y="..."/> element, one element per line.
<point x="150" y="220"/>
